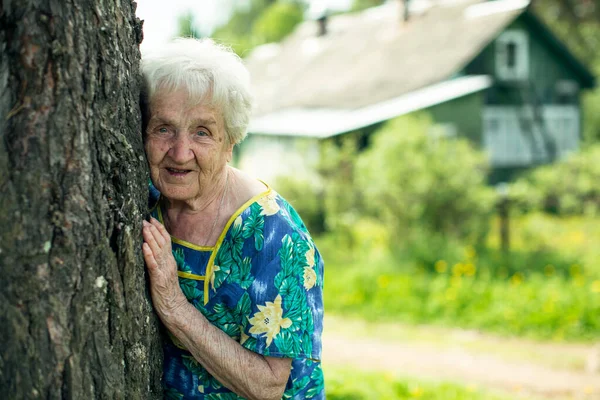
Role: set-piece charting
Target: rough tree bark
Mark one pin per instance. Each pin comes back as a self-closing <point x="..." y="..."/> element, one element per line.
<point x="75" y="320"/>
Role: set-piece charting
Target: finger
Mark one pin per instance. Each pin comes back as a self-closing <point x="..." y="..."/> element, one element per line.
<point x="149" y="238"/>
<point x="158" y="237"/>
<point x="161" y="229"/>
<point x="149" y="257"/>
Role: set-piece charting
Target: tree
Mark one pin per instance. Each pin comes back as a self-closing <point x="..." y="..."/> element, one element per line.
<point x="259" y="22"/>
<point x="186" y="25"/>
<point x="75" y="319"/>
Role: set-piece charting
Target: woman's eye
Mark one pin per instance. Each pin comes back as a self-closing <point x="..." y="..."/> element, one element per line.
<point x="163" y="130"/>
<point x="201" y="133"/>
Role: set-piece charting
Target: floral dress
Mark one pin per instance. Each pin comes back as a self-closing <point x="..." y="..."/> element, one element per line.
<point x="262" y="285"/>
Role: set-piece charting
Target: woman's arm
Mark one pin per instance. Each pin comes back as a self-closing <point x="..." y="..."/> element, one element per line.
<point x="246" y="373"/>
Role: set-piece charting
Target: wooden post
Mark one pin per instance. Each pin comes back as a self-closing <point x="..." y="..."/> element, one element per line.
<point x="504" y="214"/>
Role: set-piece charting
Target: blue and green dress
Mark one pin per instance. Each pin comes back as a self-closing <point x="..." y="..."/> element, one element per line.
<point x="262" y="284"/>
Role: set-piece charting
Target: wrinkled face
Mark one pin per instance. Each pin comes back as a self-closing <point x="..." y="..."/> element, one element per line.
<point x="186" y="146"/>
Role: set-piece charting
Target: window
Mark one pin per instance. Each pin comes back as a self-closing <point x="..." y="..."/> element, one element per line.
<point x="512" y="56"/>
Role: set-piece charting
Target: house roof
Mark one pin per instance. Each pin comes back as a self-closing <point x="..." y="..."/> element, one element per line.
<point x="325" y="122"/>
<point x="373" y="56"/>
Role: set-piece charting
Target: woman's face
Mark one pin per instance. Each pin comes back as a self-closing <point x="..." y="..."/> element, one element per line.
<point x="186" y="146"/>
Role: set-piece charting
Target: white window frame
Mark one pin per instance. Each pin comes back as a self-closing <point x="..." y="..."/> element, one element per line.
<point x="519" y="71"/>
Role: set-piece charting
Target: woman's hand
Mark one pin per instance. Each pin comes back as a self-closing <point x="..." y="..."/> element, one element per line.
<point x="164" y="284"/>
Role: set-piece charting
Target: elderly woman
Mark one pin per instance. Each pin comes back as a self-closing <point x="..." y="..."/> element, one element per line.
<point x="234" y="275"/>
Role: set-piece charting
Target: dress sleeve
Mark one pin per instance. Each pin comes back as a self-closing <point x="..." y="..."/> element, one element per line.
<point x="283" y="307"/>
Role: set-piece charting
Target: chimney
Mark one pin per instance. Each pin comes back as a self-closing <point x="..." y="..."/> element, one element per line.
<point x="318" y="12"/>
<point x="405" y="11"/>
<point x="322" y="21"/>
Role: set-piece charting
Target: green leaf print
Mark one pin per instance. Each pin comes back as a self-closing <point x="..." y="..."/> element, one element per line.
<point x="254" y="226"/>
<point x="295" y="303"/>
<point x="222" y="396"/>
<point x="189" y="288"/>
<point x="250" y="344"/>
<point x="220" y="274"/>
<point x="179" y="256"/>
<point x="300" y="384"/>
<point x="236" y="240"/>
<point x="192" y="365"/>
<point x="232" y="330"/>
<point x="286" y="253"/>
<point x="286" y="287"/>
<point x="243" y="308"/>
<point x="288" y="343"/>
<point x="172" y="394"/>
<point x="245" y="278"/>
<point x="295" y="217"/>
<point x="318" y="385"/>
<point x="221" y="316"/>
<point x="306" y="343"/>
<point x="223" y="257"/>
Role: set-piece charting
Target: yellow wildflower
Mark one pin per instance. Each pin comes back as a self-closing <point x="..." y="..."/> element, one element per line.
<point x="457" y="269"/>
<point x="310" y="278"/>
<point x="470" y="252"/>
<point x="469" y="269"/>
<point x="441" y="266"/>
<point x="383" y="281"/>
<point x="517" y="278"/>
<point x="269" y="320"/>
<point x="417" y="391"/>
<point x="268" y="204"/>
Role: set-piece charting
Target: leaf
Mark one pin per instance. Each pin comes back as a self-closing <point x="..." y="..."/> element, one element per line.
<point x="222" y="396"/>
<point x="172" y="394"/>
<point x="244" y="307"/>
<point x="288" y="343"/>
<point x="287" y="286"/>
<point x="179" y="256"/>
<point x="189" y="289"/>
<point x="286" y="253"/>
<point x="192" y="365"/>
<point x="300" y="384"/>
<point x="318" y="384"/>
<point x="307" y="343"/>
<point x="295" y="303"/>
<point x="259" y="239"/>
<point x="246" y="278"/>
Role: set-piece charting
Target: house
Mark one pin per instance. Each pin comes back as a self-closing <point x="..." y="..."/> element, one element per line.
<point x="490" y="71"/>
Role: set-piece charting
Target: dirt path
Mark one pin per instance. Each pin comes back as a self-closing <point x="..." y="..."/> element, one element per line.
<point x="451" y="360"/>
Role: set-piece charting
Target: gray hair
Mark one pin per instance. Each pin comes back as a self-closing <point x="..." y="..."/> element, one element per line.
<point x="207" y="71"/>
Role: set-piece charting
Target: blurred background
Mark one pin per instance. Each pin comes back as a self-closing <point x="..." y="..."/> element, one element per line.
<point x="445" y="155"/>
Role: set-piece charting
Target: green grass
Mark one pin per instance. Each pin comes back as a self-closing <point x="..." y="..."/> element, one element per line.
<point x="346" y="384"/>
<point x="542" y="290"/>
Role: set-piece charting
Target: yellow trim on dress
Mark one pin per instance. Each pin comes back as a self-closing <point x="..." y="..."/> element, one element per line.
<point x="187" y="275"/>
<point x="211" y="260"/>
<point x="214" y="249"/>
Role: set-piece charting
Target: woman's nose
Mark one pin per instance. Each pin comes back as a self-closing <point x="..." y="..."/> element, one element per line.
<point x="180" y="150"/>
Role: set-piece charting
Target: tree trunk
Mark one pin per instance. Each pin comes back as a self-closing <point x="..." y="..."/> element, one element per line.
<point x="75" y="319"/>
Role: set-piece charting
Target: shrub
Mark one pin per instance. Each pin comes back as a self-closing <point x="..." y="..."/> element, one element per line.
<point x="306" y="198"/>
<point x="569" y="187"/>
<point x="411" y="181"/>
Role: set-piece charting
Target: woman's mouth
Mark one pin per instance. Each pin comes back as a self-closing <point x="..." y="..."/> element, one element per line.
<point x="178" y="172"/>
